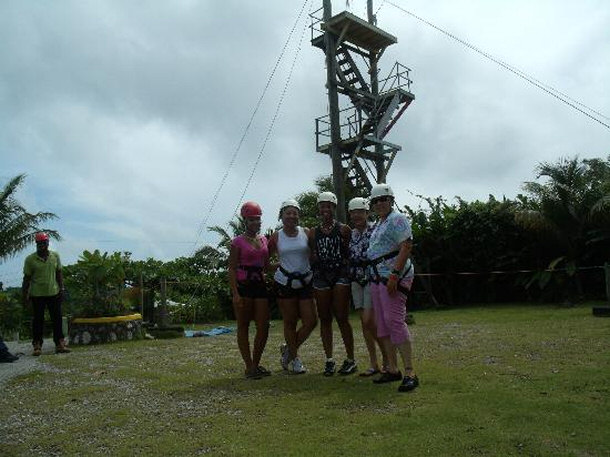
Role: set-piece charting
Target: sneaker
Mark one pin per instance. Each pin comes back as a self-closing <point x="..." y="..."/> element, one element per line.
<point x="348" y="367"/>
<point x="329" y="368"/>
<point x="263" y="371"/>
<point x="37" y="351"/>
<point x="296" y="366"/>
<point x="285" y="356"/>
<point x="253" y="374"/>
<point x="388" y="377"/>
<point x="408" y="383"/>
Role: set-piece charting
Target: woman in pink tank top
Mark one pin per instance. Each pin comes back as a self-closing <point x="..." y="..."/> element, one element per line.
<point x="248" y="261"/>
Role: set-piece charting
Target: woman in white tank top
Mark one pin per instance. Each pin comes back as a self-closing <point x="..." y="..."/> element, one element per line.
<point x="293" y="284"/>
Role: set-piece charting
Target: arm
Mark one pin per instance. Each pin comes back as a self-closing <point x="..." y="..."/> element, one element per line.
<point x="25" y="288"/>
<point x="233" y="258"/>
<point x="401" y="259"/>
<point x="59" y="277"/>
<point x="311" y="237"/>
<point x="346" y="235"/>
<point x="271" y="266"/>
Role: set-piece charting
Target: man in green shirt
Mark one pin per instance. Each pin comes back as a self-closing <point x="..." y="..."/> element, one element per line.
<point x="43" y="284"/>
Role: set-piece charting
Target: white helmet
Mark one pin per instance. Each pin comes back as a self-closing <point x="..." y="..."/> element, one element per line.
<point x="358" y="203"/>
<point x="290" y="202"/>
<point x="381" y="190"/>
<point x="327" y="197"/>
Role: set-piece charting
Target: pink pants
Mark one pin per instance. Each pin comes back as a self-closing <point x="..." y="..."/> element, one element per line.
<point x="390" y="314"/>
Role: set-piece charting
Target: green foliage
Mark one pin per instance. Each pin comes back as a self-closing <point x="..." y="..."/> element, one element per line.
<point x="17" y="226"/>
<point x="96" y="283"/>
<point x="11" y="313"/>
<point x="571" y="209"/>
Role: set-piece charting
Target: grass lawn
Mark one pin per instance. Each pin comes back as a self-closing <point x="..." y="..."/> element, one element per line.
<point x="496" y="381"/>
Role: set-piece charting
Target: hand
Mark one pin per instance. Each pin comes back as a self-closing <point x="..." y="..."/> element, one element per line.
<point x="237" y="301"/>
<point x="392" y="285"/>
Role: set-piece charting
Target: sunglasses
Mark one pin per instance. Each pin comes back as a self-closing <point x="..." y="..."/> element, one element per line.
<point x="380" y="200"/>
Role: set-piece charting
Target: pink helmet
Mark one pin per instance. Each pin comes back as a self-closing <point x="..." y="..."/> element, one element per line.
<point x="41" y="236"/>
<point x="251" y="209"/>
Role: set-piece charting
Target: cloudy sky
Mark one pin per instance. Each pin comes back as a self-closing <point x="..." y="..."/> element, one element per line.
<point x="125" y="115"/>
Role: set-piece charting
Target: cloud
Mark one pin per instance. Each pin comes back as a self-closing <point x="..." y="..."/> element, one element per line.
<point x="126" y="115"/>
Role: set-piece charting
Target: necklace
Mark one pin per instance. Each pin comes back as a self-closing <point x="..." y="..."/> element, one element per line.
<point x="327" y="226"/>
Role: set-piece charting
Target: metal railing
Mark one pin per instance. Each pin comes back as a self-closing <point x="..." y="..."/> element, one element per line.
<point x="315" y="26"/>
<point x="351" y="121"/>
<point x="398" y="78"/>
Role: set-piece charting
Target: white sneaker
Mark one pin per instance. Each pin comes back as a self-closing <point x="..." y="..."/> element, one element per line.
<point x="296" y="366"/>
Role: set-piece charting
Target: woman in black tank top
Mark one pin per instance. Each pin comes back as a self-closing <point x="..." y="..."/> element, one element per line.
<point x="329" y="244"/>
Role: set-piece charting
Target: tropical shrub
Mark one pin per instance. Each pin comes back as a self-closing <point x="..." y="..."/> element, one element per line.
<point x="96" y="284"/>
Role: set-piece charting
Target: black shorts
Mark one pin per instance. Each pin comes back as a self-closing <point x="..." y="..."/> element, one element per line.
<point x="252" y="289"/>
<point x="327" y="279"/>
<point x="302" y="293"/>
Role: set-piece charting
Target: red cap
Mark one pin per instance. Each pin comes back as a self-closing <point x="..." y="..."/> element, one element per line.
<point x="251" y="209"/>
<point x="41" y="236"/>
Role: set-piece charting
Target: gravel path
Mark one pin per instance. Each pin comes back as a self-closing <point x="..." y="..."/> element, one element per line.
<point x="27" y="362"/>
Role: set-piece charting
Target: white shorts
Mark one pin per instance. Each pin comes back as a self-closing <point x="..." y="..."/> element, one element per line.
<point x="361" y="296"/>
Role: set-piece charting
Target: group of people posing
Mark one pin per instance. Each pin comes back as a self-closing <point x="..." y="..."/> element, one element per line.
<point x="318" y="272"/>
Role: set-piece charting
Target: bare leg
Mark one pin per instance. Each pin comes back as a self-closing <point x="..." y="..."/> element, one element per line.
<point x="406" y="353"/>
<point x="290" y="316"/>
<point x="261" y="319"/>
<point x="340" y="306"/>
<point x="323" y="303"/>
<point x="309" y="320"/>
<point x="369" y="336"/>
<point x="243" y="315"/>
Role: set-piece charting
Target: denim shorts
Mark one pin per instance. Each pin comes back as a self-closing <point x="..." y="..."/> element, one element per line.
<point x="302" y="293"/>
<point x="327" y="279"/>
<point x="361" y="296"/>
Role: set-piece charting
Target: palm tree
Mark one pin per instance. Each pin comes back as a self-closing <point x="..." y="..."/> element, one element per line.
<point x="572" y="206"/>
<point x="17" y="226"/>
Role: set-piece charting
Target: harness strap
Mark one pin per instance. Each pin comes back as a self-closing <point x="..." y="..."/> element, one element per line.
<point x="295" y="275"/>
<point x="399" y="287"/>
<point x="253" y="272"/>
<point x="378" y="278"/>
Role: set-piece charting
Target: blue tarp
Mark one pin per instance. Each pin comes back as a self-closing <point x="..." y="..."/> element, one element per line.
<point x="213" y="332"/>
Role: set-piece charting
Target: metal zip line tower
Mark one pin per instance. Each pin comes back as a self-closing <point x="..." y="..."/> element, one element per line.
<point x="354" y="136"/>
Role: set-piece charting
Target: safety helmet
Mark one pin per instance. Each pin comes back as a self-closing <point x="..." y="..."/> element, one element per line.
<point x="381" y="190"/>
<point x="327" y="197"/>
<point x="251" y="209"/>
<point x="290" y="202"/>
<point x="41" y="236"/>
<point x="358" y="203"/>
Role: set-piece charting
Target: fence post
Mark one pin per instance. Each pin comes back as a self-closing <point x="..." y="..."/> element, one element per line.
<point x="142" y="295"/>
<point x="163" y="313"/>
<point x="607" y="271"/>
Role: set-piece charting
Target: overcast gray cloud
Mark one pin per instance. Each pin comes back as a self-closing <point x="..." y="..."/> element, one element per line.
<point x="125" y="115"/>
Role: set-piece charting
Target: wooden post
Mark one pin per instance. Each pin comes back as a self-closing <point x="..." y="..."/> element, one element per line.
<point x="333" y="103"/>
<point x="607" y="271"/>
<point x="142" y="295"/>
<point x="163" y="313"/>
<point x="373" y="58"/>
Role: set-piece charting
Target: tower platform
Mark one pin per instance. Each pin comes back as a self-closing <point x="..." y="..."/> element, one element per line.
<point x="356" y="31"/>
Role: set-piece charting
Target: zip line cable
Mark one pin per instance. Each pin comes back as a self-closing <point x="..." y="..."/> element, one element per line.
<point x="275" y="115"/>
<point x="258" y="104"/>
<point x="546" y="88"/>
<point x="206" y="218"/>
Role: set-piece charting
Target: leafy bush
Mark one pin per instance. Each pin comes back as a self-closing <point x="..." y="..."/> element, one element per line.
<point x="96" y="284"/>
<point x="11" y="314"/>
